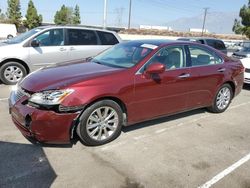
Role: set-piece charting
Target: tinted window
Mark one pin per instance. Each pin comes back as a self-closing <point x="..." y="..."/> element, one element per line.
<point x="81" y="37"/>
<point x="52" y="37"/>
<point x="202" y="57"/>
<point x="107" y="38"/>
<point x="171" y="57"/>
<point x="217" y="44"/>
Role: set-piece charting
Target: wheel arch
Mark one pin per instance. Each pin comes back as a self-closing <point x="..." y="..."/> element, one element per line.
<point x="18" y="61"/>
<point x="232" y="84"/>
<point x="74" y="125"/>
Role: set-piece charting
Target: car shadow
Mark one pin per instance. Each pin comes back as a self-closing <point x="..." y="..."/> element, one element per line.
<point x="163" y="120"/>
<point x="24" y="165"/>
<point x="246" y="87"/>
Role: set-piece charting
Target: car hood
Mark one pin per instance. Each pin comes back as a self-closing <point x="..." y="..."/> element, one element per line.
<point x="63" y="75"/>
<point x="242" y="53"/>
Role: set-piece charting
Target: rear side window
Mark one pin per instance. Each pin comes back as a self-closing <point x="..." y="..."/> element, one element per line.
<point x="202" y="57"/>
<point x="107" y="38"/>
<point x="81" y="37"/>
<point x="217" y="44"/>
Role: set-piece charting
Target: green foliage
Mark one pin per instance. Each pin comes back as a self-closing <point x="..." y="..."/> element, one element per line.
<point x="2" y="17"/>
<point x="66" y="15"/>
<point x="76" y="16"/>
<point x="244" y="27"/>
<point x="63" y="16"/>
<point x="14" y="12"/>
<point x="237" y="27"/>
<point x="32" y="18"/>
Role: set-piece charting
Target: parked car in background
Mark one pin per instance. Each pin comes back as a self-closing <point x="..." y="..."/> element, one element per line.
<point x="128" y="83"/>
<point x="7" y="31"/>
<point x="246" y="64"/>
<point x="215" y="43"/>
<point x="244" y="51"/>
<point x="44" y="46"/>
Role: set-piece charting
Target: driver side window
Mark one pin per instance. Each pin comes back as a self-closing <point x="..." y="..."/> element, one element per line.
<point x="52" y="37"/>
<point x="171" y="57"/>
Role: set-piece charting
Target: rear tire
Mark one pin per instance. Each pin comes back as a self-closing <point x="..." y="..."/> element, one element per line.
<point x="12" y="72"/>
<point x="100" y="123"/>
<point x="222" y="99"/>
<point x="9" y="36"/>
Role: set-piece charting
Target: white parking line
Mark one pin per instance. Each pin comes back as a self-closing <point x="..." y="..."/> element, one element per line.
<point x="3" y="99"/>
<point x="225" y="172"/>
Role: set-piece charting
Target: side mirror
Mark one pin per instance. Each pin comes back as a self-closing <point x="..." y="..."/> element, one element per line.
<point x="35" y="43"/>
<point x="155" y="68"/>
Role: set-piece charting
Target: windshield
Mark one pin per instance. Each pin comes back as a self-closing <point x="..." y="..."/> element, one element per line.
<point x="124" y="55"/>
<point x="24" y="36"/>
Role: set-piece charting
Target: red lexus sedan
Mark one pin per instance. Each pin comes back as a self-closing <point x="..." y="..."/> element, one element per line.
<point x="132" y="82"/>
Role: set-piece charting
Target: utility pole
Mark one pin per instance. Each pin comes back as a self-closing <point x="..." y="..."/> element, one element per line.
<point x="204" y="21"/>
<point x="105" y="15"/>
<point x="129" y="16"/>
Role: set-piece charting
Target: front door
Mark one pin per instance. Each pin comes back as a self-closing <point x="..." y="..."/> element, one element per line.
<point x="51" y="49"/>
<point x="164" y="93"/>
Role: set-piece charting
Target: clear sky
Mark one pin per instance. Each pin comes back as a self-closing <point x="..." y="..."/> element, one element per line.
<point x="144" y="12"/>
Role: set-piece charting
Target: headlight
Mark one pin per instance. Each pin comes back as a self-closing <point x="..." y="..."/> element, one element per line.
<point x="53" y="97"/>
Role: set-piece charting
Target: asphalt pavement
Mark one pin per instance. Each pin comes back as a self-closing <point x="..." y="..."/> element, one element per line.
<point x="191" y="149"/>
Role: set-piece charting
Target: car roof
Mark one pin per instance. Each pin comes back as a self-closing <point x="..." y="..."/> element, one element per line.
<point x="73" y="27"/>
<point x="198" y="38"/>
<point x="157" y="42"/>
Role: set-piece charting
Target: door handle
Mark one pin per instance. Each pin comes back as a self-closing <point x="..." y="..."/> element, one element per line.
<point x="184" y="76"/>
<point x="72" y="48"/>
<point x="62" y="49"/>
<point x="221" y="70"/>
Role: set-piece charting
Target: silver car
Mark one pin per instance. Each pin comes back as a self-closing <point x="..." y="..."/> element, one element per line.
<point x="44" y="46"/>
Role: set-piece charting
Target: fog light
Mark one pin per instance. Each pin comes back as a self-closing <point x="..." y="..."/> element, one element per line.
<point x="28" y="121"/>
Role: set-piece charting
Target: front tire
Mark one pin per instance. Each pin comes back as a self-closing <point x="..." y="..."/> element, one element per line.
<point x="222" y="99"/>
<point x="12" y="72"/>
<point x="100" y="123"/>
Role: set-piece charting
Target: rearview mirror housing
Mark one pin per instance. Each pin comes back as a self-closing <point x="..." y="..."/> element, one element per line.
<point x="35" y="43"/>
<point x="155" y="68"/>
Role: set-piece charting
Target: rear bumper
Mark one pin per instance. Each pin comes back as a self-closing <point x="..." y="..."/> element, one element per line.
<point x="247" y="78"/>
<point x="41" y="125"/>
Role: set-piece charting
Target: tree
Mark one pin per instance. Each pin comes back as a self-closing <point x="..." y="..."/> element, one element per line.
<point x="237" y="27"/>
<point x="244" y="27"/>
<point x="32" y="18"/>
<point x="14" y="12"/>
<point x="76" y="16"/>
<point x="2" y="16"/>
<point x="64" y="16"/>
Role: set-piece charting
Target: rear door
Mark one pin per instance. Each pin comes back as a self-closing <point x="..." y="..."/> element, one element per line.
<point x="51" y="49"/>
<point x="83" y="43"/>
<point x="207" y="70"/>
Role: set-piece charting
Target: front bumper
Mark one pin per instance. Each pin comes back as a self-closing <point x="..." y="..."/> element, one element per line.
<point x="41" y="125"/>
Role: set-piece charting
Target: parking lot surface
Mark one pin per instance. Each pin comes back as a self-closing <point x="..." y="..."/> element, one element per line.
<point x="190" y="149"/>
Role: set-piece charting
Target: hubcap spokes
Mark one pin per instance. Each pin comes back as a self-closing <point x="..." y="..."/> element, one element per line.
<point x="102" y="123"/>
<point x="223" y="98"/>
<point x="13" y="74"/>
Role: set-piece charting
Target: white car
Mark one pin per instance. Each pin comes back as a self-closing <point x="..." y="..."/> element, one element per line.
<point x="7" y="31"/>
<point x="246" y="64"/>
<point x="44" y="46"/>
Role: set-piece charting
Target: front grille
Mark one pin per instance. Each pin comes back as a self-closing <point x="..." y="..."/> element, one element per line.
<point x="20" y="93"/>
<point x="247" y="70"/>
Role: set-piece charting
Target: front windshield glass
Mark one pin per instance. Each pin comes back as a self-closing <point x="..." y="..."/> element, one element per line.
<point x="124" y="55"/>
<point x="20" y="38"/>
